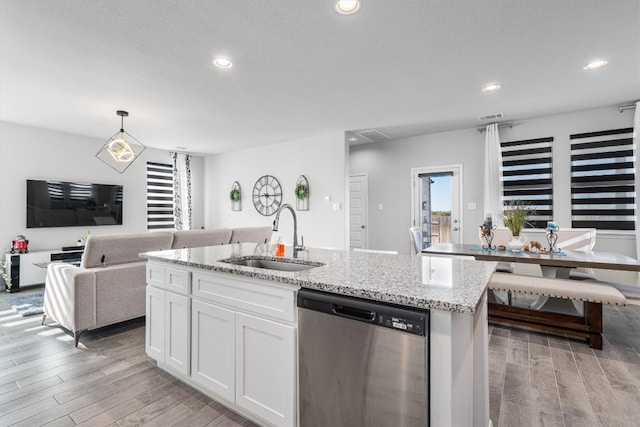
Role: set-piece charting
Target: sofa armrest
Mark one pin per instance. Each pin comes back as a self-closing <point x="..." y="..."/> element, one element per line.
<point x="70" y="296"/>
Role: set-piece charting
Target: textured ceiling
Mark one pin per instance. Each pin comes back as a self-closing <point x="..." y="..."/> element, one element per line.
<point x="300" y="69"/>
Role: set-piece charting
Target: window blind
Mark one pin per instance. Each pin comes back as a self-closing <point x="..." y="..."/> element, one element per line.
<point x="159" y="196"/>
<point x="527" y="175"/>
<point x="602" y="180"/>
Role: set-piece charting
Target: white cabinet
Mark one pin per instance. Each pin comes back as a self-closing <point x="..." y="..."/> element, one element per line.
<point x="177" y="344"/>
<point x="177" y="280"/>
<point x="233" y="337"/>
<point x="156" y="275"/>
<point x="155" y="323"/>
<point x="168" y="317"/>
<point x="213" y="348"/>
<point x="245" y="359"/>
<point x="244" y="343"/>
<point x="266" y="369"/>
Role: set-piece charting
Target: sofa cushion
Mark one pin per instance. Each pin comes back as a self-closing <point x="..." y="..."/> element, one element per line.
<point x="251" y="235"/>
<point x="197" y="238"/>
<point x="123" y="248"/>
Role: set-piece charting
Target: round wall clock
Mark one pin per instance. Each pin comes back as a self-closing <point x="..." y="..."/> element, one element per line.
<point x="267" y="195"/>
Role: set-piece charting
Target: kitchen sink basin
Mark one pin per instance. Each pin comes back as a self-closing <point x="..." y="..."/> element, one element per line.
<point x="273" y="264"/>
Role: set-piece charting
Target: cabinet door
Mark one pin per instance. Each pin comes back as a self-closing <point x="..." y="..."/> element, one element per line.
<point x="177" y="280"/>
<point x="266" y="369"/>
<point x="156" y="275"/>
<point x="177" y="337"/>
<point x="213" y="348"/>
<point x="155" y="322"/>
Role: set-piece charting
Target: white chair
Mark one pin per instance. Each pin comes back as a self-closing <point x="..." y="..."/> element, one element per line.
<point x="416" y="240"/>
<point x="375" y="251"/>
<point x="578" y="239"/>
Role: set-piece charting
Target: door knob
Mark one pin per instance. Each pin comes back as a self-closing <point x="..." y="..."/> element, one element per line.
<point x="455" y="221"/>
<point x="455" y="228"/>
<point x="362" y="226"/>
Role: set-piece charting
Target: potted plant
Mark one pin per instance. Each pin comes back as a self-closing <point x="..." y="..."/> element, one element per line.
<point x="515" y="217"/>
<point x="234" y="195"/>
<point x="302" y="191"/>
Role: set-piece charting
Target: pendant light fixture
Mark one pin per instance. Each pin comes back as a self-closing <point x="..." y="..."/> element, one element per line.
<point x="121" y="149"/>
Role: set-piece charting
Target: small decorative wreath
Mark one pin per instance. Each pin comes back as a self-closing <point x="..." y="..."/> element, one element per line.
<point x="302" y="191"/>
<point x="234" y="195"/>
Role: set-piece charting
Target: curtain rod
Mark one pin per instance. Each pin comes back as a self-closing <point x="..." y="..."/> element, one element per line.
<point x="500" y="125"/>
<point x="623" y="107"/>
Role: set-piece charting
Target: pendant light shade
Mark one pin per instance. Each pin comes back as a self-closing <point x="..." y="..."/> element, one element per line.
<point x="121" y="149"/>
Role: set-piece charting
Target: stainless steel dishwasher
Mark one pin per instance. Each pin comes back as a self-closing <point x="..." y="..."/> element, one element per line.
<point x="361" y="363"/>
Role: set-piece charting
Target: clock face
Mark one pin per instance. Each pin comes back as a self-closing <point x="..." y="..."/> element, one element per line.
<point x="267" y="195"/>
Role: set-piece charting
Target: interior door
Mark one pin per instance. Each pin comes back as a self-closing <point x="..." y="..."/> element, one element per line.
<point x="358" y="211"/>
<point x="436" y="202"/>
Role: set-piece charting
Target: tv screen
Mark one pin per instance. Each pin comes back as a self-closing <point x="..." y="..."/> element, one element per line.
<point x="70" y="204"/>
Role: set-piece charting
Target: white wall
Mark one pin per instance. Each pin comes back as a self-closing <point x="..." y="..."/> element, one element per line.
<point x="388" y="166"/>
<point x="32" y="153"/>
<point x="321" y="159"/>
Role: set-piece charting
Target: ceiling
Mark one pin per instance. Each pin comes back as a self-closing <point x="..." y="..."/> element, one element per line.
<point x="300" y="69"/>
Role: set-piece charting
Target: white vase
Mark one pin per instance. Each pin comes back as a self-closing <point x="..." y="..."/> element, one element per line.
<point x="517" y="242"/>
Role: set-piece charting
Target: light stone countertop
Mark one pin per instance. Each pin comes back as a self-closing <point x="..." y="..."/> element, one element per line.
<point x="450" y="284"/>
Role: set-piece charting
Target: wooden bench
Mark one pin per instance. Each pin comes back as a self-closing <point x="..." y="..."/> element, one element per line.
<point x="592" y="293"/>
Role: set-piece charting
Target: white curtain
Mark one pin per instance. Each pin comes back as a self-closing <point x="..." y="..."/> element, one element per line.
<point x="492" y="174"/>
<point x="636" y="133"/>
<point x="182" y="191"/>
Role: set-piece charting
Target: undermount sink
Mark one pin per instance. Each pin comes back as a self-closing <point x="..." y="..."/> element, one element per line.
<point x="273" y="264"/>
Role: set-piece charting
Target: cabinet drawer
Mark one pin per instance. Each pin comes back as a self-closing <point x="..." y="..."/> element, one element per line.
<point x="156" y="275"/>
<point x="177" y="280"/>
<point x="254" y="296"/>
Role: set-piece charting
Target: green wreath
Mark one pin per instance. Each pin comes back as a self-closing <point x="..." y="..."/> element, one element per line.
<point x="234" y="195"/>
<point x="302" y="191"/>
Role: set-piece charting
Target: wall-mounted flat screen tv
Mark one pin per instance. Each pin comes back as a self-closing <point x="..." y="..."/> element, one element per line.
<point x="70" y="204"/>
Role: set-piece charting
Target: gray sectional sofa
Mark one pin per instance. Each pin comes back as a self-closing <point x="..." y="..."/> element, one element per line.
<point x="109" y="285"/>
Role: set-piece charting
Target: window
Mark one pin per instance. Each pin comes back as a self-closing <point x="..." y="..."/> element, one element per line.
<point x="159" y="196"/>
<point x="527" y="175"/>
<point x="602" y="180"/>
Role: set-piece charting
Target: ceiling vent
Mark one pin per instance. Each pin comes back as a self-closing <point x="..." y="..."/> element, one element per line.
<point x="489" y="117"/>
<point x="373" y="135"/>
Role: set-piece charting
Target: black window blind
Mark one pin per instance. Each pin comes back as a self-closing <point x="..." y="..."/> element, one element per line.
<point x="527" y="175"/>
<point x="159" y="196"/>
<point x="602" y="180"/>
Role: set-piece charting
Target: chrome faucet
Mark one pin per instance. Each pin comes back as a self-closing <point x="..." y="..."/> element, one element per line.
<point x="276" y="221"/>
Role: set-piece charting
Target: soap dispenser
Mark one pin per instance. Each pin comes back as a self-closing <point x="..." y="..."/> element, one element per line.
<point x="279" y="247"/>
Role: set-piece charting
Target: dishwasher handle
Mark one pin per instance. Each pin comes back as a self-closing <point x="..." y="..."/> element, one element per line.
<point x="353" y="312"/>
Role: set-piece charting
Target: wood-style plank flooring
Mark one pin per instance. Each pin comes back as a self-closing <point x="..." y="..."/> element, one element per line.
<point x="107" y="381"/>
<point x="535" y="379"/>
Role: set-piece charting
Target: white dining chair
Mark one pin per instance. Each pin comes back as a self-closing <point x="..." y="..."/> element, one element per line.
<point x="578" y="239"/>
<point x="416" y="240"/>
<point x="375" y="251"/>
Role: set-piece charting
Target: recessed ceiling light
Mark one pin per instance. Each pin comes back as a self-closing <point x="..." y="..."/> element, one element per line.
<point x="347" y="7"/>
<point x="492" y="87"/>
<point x="596" y="64"/>
<point x="222" y="62"/>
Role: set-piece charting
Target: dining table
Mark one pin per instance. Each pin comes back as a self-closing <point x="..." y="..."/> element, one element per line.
<point x="552" y="264"/>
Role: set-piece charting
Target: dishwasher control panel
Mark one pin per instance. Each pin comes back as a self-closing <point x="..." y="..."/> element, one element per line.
<point x="401" y="319"/>
<point x="413" y="326"/>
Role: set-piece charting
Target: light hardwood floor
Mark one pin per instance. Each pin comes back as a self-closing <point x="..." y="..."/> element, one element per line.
<point x="107" y="381"/>
<point x="535" y="379"/>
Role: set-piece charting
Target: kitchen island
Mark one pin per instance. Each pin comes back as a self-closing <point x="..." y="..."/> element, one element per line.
<point x="230" y="330"/>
